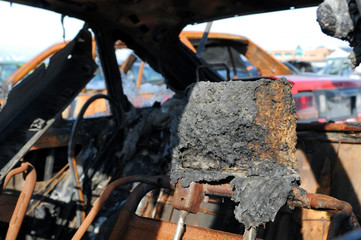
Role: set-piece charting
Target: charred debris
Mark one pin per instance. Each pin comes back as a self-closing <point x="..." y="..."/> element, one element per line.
<point x="222" y="157"/>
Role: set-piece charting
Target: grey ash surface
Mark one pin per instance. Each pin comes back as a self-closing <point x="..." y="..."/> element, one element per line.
<point x="222" y="134"/>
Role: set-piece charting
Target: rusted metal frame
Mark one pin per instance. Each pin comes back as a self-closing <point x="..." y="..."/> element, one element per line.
<point x="121" y="226"/>
<point x="311" y="200"/>
<point x="186" y="42"/>
<point x="130" y="225"/>
<point x="23" y="200"/>
<point x="149" y="208"/>
<point x="163" y="199"/>
<point x="145" y="228"/>
<point x="49" y="186"/>
<point x="221" y="190"/>
<point x="328" y="127"/>
<point x="147" y="205"/>
<point x="156" y="180"/>
<point x="324" y="202"/>
<point x="188" y="199"/>
<point x="140" y="74"/>
<point x="128" y="63"/>
<point x="264" y="62"/>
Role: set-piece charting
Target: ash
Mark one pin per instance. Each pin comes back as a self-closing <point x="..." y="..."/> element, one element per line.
<point x="240" y="130"/>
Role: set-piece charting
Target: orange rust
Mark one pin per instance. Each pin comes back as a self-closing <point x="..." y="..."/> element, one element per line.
<point x="140" y="74"/>
<point x="224" y="190"/>
<point x="324" y="202"/>
<point x="188" y="199"/>
<point x="263" y="61"/>
<point x="276" y="112"/>
<point x="123" y="227"/>
<point x="320" y="201"/>
<point x="144" y="228"/>
<point x="163" y="200"/>
<point x="78" y="188"/>
<point x="148" y="205"/>
<point x="48" y="186"/>
<point x="107" y="191"/>
<point x="185" y="41"/>
<point x="23" y="200"/>
<point x="126" y="66"/>
<point x="52" y="138"/>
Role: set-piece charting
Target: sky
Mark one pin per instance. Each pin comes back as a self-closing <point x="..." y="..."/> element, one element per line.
<point x="282" y="30"/>
<point x="27" y="31"/>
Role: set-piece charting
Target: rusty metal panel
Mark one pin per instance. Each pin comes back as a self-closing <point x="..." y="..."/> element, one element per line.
<point x="143" y="228"/>
<point x="315" y="224"/>
<point x="188" y="199"/>
<point x="329" y="163"/>
<point x="331" y="166"/>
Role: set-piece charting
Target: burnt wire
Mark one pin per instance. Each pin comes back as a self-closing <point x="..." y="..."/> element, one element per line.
<point x="71" y="150"/>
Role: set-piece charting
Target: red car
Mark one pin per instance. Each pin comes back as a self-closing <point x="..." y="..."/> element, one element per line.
<point x="318" y="97"/>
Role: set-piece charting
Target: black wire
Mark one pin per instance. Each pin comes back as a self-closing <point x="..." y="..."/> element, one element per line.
<point x="76" y="126"/>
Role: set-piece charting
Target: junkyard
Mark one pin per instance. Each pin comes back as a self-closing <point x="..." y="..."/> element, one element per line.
<point x="139" y="128"/>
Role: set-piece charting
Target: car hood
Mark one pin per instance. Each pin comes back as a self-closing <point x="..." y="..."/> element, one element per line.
<point x="151" y="28"/>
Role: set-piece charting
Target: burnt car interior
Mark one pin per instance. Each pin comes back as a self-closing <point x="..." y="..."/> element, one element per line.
<point x="219" y="160"/>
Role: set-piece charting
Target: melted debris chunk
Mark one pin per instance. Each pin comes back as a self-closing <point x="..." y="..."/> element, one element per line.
<point x="244" y="130"/>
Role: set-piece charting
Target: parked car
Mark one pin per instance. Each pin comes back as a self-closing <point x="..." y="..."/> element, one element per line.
<point x="303" y="66"/>
<point x="341" y="66"/>
<point x="319" y="98"/>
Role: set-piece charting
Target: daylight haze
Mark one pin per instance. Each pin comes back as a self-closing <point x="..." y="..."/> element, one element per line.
<point x="27" y="33"/>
